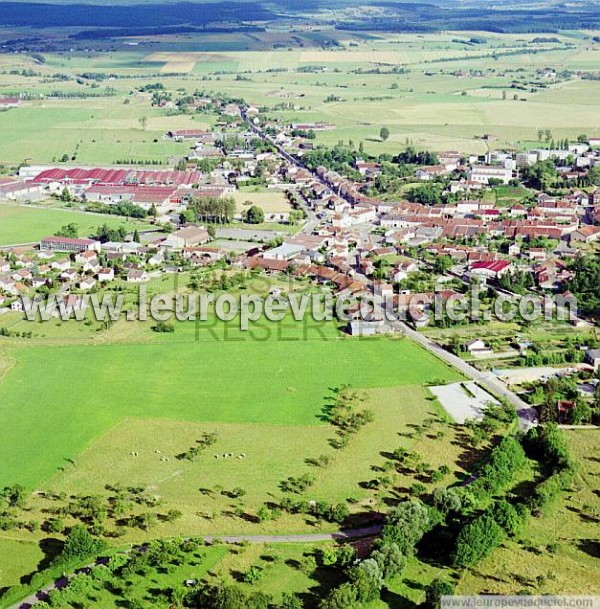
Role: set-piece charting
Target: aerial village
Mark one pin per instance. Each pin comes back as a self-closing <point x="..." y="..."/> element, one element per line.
<point x="512" y="222"/>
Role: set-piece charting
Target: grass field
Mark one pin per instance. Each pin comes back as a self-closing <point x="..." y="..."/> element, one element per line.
<point x="243" y="381"/>
<point x="272" y="453"/>
<point x="270" y="201"/>
<point x="101" y="130"/>
<point x="446" y="95"/>
<point x="18" y="558"/>
<point x="20" y="224"/>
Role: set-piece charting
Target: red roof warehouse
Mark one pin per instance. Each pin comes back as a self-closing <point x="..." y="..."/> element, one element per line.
<point x="119" y="176"/>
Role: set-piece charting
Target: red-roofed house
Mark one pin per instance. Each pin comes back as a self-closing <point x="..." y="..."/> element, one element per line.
<point x="490" y="269"/>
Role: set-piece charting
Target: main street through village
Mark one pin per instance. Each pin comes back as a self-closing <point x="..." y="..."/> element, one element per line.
<point x="526" y="413"/>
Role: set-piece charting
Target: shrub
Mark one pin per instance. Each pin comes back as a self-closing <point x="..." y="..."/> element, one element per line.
<point x="476" y="540"/>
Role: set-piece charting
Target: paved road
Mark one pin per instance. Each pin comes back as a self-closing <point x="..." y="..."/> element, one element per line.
<point x="360" y="533"/>
<point x="313" y="221"/>
<point x="527" y="414"/>
<point x="308" y="538"/>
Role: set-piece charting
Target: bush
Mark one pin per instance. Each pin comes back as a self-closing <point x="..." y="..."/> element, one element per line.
<point x="476" y="540"/>
<point x="80" y="545"/>
<point x="253" y="575"/>
<point x="163" y="327"/>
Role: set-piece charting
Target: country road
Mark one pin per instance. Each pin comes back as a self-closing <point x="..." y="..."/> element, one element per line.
<point x="359" y="533"/>
<point x="526" y="413"/>
<point x="307" y="538"/>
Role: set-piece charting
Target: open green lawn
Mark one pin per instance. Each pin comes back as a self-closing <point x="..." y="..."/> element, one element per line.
<point x="20" y="224"/>
<point x="18" y="558"/>
<point x="270" y="201"/>
<point x="56" y="400"/>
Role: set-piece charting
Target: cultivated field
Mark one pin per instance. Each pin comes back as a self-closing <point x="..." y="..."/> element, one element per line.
<point x="436" y="91"/>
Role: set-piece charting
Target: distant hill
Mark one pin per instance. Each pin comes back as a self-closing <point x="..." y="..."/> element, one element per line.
<point x="117" y="18"/>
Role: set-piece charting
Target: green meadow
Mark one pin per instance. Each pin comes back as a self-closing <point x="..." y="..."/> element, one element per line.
<point x="20" y="224"/>
<point x="101" y="131"/>
<point x="55" y="401"/>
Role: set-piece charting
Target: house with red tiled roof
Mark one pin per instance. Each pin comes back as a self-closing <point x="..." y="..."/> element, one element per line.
<point x="490" y="269"/>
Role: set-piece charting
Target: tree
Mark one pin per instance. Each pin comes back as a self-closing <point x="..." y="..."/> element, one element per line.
<point x="476" y="540"/>
<point x="406" y="524"/>
<point x="390" y="560"/>
<point x="212" y="231"/>
<point x="143" y="121"/>
<point x="338" y="557"/>
<point x="384" y="134"/>
<point x="222" y="596"/>
<point x="442" y="264"/>
<point x="434" y="593"/>
<point x="367" y="580"/>
<point x="80" y="545"/>
<point x="580" y="413"/>
<point x="105" y="233"/>
<point x="14" y="496"/>
<point x="65" y="196"/>
<point x="68" y="230"/>
<point x="594" y="175"/>
<point x="342" y="597"/>
<point x="541" y="175"/>
<point x="213" y="209"/>
<point x="295" y="216"/>
<point x="427" y="194"/>
<point x="290" y="601"/>
<point x="509" y="517"/>
<point x="446" y="500"/>
<point x="136" y="236"/>
<point x="254" y="215"/>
